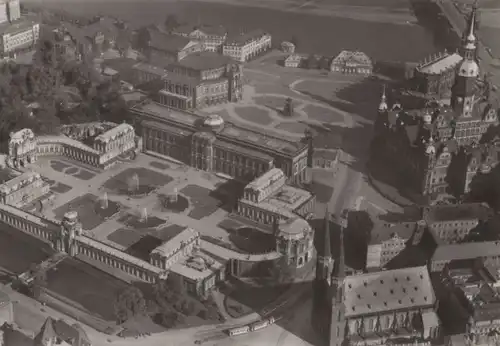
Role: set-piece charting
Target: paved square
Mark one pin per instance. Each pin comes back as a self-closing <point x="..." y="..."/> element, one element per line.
<point x="147" y="181"/>
<point x="90" y="210"/>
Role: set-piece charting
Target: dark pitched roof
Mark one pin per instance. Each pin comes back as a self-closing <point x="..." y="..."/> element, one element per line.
<point x="73" y="335"/>
<point x="166" y="42"/>
<point x="201" y="61"/>
<point x="456" y="212"/>
<point x="105" y="25"/>
<point x="383" y="231"/>
<point x="46" y="333"/>
<point x="245" y="38"/>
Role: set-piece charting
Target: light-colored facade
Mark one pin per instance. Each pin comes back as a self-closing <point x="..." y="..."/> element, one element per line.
<point x="436" y="74"/>
<point x="349" y="62"/>
<point x="211" y="144"/>
<point x="294" y="61"/>
<point x="170" y="252"/>
<point x="24" y="147"/>
<point x="19" y="34"/>
<point x="388" y="240"/>
<point x="287" y="47"/>
<point x="212" y="37"/>
<point x="23" y="189"/>
<point x="294" y="241"/>
<point x="247" y="46"/>
<point x="200" y="80"/>
<point x="268" y="199"/>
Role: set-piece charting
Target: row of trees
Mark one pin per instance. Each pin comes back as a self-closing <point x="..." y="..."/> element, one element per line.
<point x="169" y="304"/>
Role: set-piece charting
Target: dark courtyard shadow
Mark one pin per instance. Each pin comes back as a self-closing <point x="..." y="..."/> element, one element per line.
<point x="142" y="249"/>
<point x="228" y="193"/>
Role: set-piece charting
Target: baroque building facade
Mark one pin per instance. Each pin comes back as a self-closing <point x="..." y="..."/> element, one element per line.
<point x="209" y="143"/>
<point x="440" y="147"/>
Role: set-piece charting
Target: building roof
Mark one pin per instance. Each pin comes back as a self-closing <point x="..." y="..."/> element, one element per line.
<point x="166" y="42"/>
<point x="327" y="140"/>
<point x="19" y="181"/>
<point x="440" y="63"/>
<point x="245" y="38"/>
<point x="113" y="133"/>
<point x="197" y="267"/>
<point x="104" y="25"/>
<point x="210" y="30"/>
<point x="373" y="293"/>
<point x="327" y="154"/>
<point x="73" y="335"/>
<point x="456" y="212"/>
<point x="383" y="231"/>
<point x="141" y="66"/>
<point x="170" y="247"/>
<point x="354" y="57"/>
<point x="266" y="179"/>
<point x="230" y="133"/>
<point x="296" y="227"/>
<point x="202" y="61"/>
<point x="21" y="136"/>
<point x="17" y="26"/>
<point x="462" y="251"/>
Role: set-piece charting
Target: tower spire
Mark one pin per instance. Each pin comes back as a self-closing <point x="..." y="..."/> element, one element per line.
<point x="382" y="107"/>
<point x="324" y="259"/>
<point x="339" y="266"/>
<point x="327" y="251"/>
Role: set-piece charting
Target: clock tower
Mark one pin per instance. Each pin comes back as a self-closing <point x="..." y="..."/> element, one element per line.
<point x="463" y="91"/>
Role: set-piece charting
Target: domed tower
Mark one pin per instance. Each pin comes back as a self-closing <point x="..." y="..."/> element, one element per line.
<point x="382" y="107"/>
<point x="463" y="91"/>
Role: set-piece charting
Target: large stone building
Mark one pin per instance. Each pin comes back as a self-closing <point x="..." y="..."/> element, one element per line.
<point x="211" y="144"/>
<point x="212" y="37"/>
<point x="109" y="142"/>
<point x="396" y="307"/>
<point x="268" y="199"/>
<point x="435" y="76"/>
<point x="165" y="48"/>
<point x="23" y="189"/>
<point x="247" y="46"/>
<point x="202" y="79"/>
<point x="440" y="147"/>
<point x="473" y="287"/>
<point x="439" y="225"/>
<point x="352" y="63"/>
<point x="17" y="33"/>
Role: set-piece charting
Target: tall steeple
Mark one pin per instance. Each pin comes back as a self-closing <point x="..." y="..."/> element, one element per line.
<point x="338" y="324"/>
<point x="324" y="260"/>
<point x="464" y="89"/>
<point x="382" y="107"/>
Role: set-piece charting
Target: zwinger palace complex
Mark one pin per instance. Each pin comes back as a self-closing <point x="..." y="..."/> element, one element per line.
<point x="205" y="143"/>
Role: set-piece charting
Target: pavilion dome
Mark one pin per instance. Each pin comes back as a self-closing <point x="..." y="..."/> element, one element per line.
<point x="213" y="120"/>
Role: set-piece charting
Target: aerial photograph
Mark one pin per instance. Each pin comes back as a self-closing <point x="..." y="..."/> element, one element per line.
<point x="249" y="172"/>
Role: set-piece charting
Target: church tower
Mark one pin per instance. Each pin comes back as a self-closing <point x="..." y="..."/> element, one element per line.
<point x="382" y="107"/>
<point x="321" y="285"/>
<point x="463" y="91"/>
<point x="338" y="326"/>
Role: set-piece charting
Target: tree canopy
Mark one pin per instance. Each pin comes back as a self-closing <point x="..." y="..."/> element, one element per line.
<point x="129" y="302"/>
<point x="53" y="91"/>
